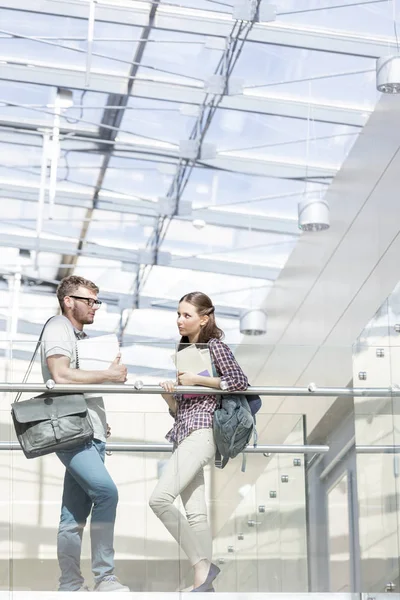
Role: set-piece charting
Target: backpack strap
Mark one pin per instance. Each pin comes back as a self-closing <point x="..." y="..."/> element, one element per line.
<point x="255" y="435"/>
<point x="220" y="462"/>
<point x="244" y="462"/>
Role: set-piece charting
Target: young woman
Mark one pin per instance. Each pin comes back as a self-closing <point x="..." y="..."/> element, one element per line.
<point x="192" y="436"/>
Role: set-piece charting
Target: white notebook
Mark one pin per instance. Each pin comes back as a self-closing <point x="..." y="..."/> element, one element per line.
<point x="193" y="360"/>
<point x="97" y="353"/>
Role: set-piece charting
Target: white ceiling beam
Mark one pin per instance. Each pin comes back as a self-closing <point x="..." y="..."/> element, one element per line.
<point x="14" y="69"/>
<point x="133" y="257"/>
<point x="297" y="108"/>
<point x="237" y="162"/>
<point x="33" y="124"/>
<point x="28" y="191"/>
<point x="214" y="24"/>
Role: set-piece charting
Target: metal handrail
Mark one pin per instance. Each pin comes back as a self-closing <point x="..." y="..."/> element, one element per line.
<point x="260" y="449"/>
<point x="392" y="449"/>
<point x="139" y="388"/>
<point x="131" y="447"/>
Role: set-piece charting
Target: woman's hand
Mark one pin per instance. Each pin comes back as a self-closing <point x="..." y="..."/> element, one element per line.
<point x="168" y="386"/>
<point x="187" y="378"/>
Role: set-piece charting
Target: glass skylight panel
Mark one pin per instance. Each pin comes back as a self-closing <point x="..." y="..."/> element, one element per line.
<point x="205" y="5"/>
<point x="179" y="57"/>
<point x="185" y="240"/>
<point x="264" y="136"/>
<point x="242" y="193"/>
<point x="175" y="282"/>
<point x="34" y="104"/>
<point x="117" y="230"/>
<point x="41" y="25"/>
<point x="263" y="252"/>
<point x="21" y="93"/>
<point x="137" y="178"/>
<point x="227" y="243"/>
<point x="87" y="110"/>
<point x="33" y="307"/>
<point x="351" y="88"/>
<point x="79" y="168"/>
<point x="270" y="69"/>
<point x="113" y="48"/>
<point x="19" y="218"/>
<point x="282" y="205"/>
<point x="156" y="121"/>
<point x="108" y="274"/>
<point x="375" y="19"/>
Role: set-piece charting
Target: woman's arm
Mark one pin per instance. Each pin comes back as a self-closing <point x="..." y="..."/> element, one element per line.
<point x="169" y="397"/>
<point x="227" y="365"/>
<point x="193" y="379"/>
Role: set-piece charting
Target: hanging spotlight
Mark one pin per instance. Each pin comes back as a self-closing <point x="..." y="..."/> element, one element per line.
<point x="253" y="322"/>
<point x="388" y="74"/>
<point x="313" y="215"/>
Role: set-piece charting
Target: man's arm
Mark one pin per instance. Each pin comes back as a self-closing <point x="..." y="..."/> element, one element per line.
<point x="59" y="367"/>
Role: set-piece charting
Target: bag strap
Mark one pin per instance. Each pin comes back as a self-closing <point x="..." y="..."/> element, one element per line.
<point x="220" y="462"/>
<point x="30" y="366"/>
<point x="29" y="369"/>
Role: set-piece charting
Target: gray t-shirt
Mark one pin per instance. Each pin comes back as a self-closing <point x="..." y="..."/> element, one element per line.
<point x="59" y="337"/>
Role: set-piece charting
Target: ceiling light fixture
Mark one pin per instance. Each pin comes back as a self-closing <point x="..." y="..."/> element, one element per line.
<point x="388" y="67"/>
<point x="388" y="74"/>
<point x="253" y="322"/>
<point x="313" y="213"/>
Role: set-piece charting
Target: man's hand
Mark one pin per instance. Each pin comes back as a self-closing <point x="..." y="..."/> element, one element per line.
<point x="187" y="378"/>
<point x="108" y="431"/>
<point x="117" y="373"/>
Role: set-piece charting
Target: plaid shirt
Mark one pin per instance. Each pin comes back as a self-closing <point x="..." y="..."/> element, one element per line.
<point x="196" y="412"/>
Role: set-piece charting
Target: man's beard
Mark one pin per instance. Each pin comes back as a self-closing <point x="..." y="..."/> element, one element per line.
<point x="83" y="320"/>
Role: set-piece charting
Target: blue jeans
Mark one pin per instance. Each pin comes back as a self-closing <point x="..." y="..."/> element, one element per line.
<point x="87" y="487"/>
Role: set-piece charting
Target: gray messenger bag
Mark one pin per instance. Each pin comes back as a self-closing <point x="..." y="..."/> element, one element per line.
<point x="51" y="422"/>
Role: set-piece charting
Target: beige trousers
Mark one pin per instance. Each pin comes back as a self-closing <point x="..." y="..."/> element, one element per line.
<point x="184" y="475"/>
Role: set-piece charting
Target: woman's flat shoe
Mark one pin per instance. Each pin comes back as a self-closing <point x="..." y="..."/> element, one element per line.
<point x="213" y="572"/>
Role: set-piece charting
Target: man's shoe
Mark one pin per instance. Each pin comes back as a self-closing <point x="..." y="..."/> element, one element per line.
<point x="111" y="584"/>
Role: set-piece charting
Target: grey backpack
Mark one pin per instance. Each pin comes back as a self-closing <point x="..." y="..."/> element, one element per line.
<point x="233" y="427"/>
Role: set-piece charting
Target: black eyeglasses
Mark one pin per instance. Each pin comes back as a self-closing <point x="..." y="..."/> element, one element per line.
<point x="89" y="301"/>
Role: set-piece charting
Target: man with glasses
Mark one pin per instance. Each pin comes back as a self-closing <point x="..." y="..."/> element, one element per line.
<point x="88" y="486"/>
